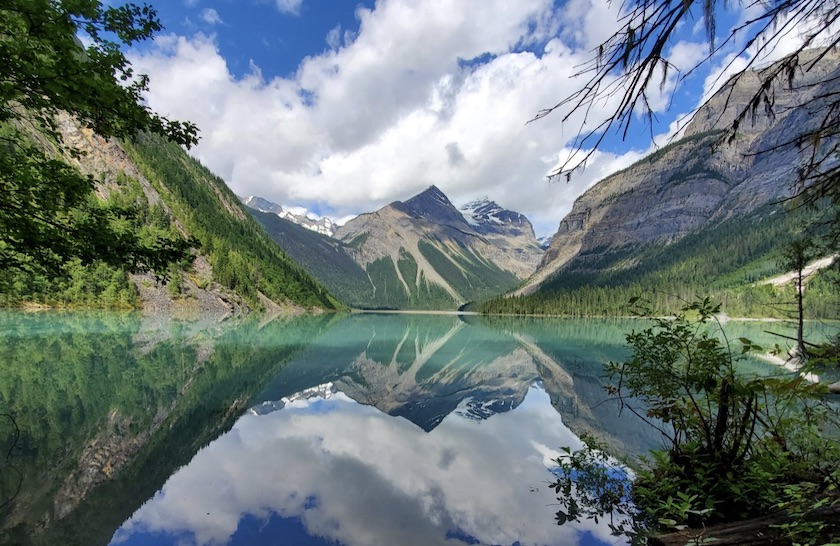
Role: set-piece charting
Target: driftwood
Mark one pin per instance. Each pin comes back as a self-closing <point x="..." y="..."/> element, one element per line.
<point x="741" y="533"/>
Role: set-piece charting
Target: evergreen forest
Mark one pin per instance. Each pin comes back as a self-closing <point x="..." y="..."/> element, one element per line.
<point x="725" y="262"/>
<point x="243" y="257"/>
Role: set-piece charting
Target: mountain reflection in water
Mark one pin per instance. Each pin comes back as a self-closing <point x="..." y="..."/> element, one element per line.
<point x="349" y="473"/>
<point x="416" y="429"/>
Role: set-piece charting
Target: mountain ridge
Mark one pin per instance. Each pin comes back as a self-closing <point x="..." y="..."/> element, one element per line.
<point x="425" y="247"/>
<point x="691" y="184"/>
<point x="323" y="225"/>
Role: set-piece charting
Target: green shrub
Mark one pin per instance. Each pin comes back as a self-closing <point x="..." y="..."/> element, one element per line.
<point x="736" y="446"/>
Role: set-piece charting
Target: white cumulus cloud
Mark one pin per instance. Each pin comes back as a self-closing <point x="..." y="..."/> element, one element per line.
<point x="340" y="468"/>
<point x="289" y="6"/>
<point x="211" y="16"/>
<point x="423" y="93"/>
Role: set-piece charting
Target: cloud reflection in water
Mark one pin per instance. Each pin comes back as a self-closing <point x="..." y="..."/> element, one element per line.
<point x="338" y="471"/>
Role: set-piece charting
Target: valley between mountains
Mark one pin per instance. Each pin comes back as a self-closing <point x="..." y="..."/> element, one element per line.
<point x="183" y="363"/>
<point x="703" y="215"/>
<point x="422" y="253"/>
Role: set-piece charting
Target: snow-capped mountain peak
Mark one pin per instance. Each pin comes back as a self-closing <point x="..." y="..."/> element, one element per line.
<point x="483" y="211"/>
<point x="489" y="217"/>
<point x="301" y="217"/>
<point x="262" y="205"/>
<point x="323" y="225"/>
<point x="479" y="410"/>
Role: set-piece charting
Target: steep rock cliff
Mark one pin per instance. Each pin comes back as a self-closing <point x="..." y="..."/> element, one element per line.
<point x="701" y="179"/>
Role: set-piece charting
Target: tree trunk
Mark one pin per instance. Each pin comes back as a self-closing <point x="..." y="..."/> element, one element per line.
<point x="800" y="311"/>
<point x="742" y="533"/>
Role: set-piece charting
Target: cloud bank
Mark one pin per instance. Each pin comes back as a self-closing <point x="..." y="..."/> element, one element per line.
<point x="421" y="93"/>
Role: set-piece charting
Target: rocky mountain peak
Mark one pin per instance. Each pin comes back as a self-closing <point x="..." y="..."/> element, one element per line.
<point x="424" y="248"/>
<point x="432" y="205"/>
<point x="434" y="193"/>
<point x="262" y="205"/>
<point x="489" y="217"/>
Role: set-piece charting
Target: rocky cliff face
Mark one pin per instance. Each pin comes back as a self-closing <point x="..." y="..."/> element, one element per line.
<point x="105" y="160"/>
<point x="425" y="241"/>
<point x="695" y="181"/>
<point x="116" y="166"/>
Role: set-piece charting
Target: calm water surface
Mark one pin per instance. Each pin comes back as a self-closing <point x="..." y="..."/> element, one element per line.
<point x="360" y="429"/>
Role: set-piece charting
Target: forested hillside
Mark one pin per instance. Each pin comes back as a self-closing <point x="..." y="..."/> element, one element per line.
<point x="178" y="213"/>
<point x="92" y="275"/>
<point x="243" y="258"/>
<point x="77" y="216"/>
<point x="69" y="234"/>
<point x="725" y="261"/>
<point x="323" y="257"/>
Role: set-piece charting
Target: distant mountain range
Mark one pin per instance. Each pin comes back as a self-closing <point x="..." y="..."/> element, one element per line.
<point x="482" y="214"/>
<point x="657" y="217"/>
<point x="323" y="225"/>
<point x="422" y="253"/>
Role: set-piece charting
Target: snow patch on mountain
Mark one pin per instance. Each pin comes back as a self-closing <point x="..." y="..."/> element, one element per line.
<point x="545" y="242"/>
<point x="479" y="410"/>
<point x="324" y="391"/>
<point x="482" y="211"/>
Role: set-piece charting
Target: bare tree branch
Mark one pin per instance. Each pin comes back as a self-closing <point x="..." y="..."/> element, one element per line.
<point x="623" y="67"/>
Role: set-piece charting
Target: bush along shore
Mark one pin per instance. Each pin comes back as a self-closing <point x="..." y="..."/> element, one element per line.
<point x="747" y="459"/>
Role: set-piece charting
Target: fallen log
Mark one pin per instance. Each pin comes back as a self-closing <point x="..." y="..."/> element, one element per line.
<point x="749" y="532"/>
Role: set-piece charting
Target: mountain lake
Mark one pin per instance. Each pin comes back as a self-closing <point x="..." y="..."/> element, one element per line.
<point x="352" y="429"/>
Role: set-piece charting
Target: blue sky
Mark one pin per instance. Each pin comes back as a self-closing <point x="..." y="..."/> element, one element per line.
<point x="343" y="107"/>
<point x="274" y="35"/>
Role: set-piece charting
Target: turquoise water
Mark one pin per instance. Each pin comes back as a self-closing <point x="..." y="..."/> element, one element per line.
<point x="355" y="429"/>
